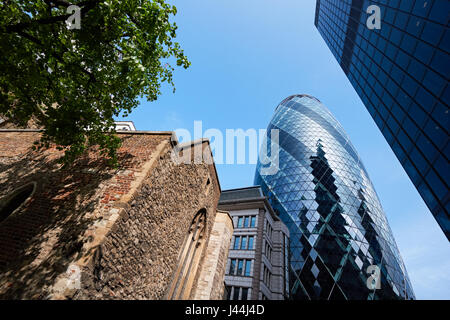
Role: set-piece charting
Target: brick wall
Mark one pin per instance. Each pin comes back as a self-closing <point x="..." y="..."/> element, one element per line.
<point x="122" y="228"/>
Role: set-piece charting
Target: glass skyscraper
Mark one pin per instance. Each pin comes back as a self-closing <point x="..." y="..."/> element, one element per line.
<point x="400" y="71"/>
<point x="338" y="230"/>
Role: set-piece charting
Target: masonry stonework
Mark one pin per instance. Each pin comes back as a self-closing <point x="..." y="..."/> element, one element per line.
<point x="211" y="282"/>
<point x="120" y="229"/>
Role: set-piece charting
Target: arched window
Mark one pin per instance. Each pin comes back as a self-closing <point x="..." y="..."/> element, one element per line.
<point x="189" y="259"/>
<point x="17" y="198"/>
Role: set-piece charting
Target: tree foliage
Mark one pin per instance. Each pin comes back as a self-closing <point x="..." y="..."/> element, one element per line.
<point x="72" y="82"/>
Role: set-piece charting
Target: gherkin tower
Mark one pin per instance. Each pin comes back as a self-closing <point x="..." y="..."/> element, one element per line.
<point x="341" y="246"/>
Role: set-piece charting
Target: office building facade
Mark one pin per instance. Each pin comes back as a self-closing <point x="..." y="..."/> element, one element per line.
<point x="341" y="246"/>
<point x="258" y="260"/>
<point x="400" y="68"/>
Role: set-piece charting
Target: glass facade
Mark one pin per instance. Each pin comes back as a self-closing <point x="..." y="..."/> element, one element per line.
<point x="400" y="71"/>
<point x="323" y="194"/>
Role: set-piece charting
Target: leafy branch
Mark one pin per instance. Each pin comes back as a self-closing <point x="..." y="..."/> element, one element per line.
<point x="74" y="82"/>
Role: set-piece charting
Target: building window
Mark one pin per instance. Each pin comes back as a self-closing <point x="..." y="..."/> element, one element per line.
<point x="232" y="266"/>
<point x="267" y="276"/>
<point x="246" y="222"/>
<point x="244" y="243"/>
<point x="236" y="242"/>
<point x="240" y="267"/>
<point x="17" y="198"/>
<point x="244" y="294"/>
<point x="264" y="274"/>
<point x="236" y="293"/>
<point x="248" y="267"/>
<point x="189" y="258"/>
<point x="268" y="251"/>
<point x="268" y="229"/>
<point x="239" y="293"/>
<point x="250" y="242"/>
<point x="240" y="222"/>
<point x="228" y="292"/>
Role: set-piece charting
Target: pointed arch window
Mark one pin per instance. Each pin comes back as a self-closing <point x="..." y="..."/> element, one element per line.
<point x="16" y="200"/>
<point x="189" y="258"/>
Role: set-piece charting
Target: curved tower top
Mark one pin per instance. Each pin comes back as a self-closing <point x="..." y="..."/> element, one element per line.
<point x="340" y="238"/>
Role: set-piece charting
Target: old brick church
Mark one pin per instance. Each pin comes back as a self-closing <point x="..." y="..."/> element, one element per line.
<point x="149" y="229"/>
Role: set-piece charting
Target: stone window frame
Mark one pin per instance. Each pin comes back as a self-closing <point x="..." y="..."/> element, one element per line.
<point x="189" y="258"/>
<point x="6" y="200"/>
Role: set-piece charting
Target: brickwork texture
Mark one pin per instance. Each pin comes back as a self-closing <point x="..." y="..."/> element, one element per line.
<point x="117" y="231"/>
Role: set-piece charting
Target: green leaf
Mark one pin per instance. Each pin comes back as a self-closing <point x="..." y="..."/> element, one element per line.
<point x="73" y="102"/>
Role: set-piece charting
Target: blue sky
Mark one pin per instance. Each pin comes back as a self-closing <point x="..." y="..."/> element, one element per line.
<point x="249" y="55"/>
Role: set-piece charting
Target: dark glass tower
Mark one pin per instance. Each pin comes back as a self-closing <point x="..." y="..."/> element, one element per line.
<point x="323" y="194"/>
<point x="401" y="73"/>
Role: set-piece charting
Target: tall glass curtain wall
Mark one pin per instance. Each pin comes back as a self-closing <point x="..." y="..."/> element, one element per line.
<point x="401" y="74"/>
<point x="323" y="193"/>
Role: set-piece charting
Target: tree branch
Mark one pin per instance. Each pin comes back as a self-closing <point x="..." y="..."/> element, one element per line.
<point x="85" y="7"/>
<point x="58" y="57"/>
<point x="62" y="3"/>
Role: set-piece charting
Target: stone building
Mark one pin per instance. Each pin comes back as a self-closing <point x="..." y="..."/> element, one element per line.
<point x="149" y="229"/>
<point x="258" y="260"/>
